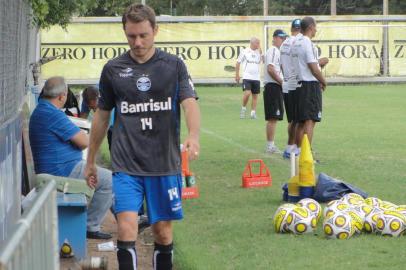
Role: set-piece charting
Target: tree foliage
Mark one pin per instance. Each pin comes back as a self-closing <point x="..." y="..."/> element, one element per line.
<point x="49" y="12"/>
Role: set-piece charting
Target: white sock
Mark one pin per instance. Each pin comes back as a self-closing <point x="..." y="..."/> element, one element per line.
<point x="289" y="148"/>
<point x="243" y="108"/>
<point x="252" y="112"/>
<point x="270" y="144"/>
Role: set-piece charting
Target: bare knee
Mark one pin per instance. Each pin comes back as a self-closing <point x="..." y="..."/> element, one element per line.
<point x="162" y="232"/>
<point x="127" y="226"/>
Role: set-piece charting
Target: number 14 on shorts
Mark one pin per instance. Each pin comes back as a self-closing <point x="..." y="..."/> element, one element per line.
<point x="146" y="123"/>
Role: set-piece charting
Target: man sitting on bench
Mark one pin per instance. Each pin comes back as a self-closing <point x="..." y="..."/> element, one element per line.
<point x="57" y="145"/>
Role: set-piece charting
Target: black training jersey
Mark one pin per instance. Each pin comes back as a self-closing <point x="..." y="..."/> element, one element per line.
<point x="146" y="97"/>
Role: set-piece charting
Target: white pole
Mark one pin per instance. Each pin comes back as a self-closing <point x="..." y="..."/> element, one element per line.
<point x="333" y="8"/>
<point x="143" y="2"/>
<point x="265" y="7"/>
<point x="292" y="164"/>
<point x="385" y="40"/>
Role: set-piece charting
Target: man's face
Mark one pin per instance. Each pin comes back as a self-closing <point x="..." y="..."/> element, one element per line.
<point x="63" y="98"/>
<point x="140" y="37"/>
<point x="314" y="30"/>
<point x="277" y="41"/>
<point x="92" y="104"/>
<point x="255" y="44"/>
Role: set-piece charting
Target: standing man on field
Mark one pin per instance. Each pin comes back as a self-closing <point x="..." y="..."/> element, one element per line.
<point x="311" y="81"/>
<point x="273" y="98"/>
<point x="289" y="86"/>
<point x="146" y="86"/>
<point x="250" y="58"/>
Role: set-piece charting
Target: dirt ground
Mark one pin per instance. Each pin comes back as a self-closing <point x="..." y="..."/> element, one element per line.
<point x="145" y="246"/>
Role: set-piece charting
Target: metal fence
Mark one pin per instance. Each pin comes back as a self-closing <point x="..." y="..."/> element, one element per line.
<point x="17" y="50"/>
<point x="33" y="244"/>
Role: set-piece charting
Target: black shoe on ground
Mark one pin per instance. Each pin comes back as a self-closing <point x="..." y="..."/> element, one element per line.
<point x="98" y="235"/>
<point x="143" y="223"/>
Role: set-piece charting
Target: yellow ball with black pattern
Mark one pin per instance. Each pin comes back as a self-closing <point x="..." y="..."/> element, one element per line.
<point x="338" y="226"/>
<point x="279" y="218"/>
<point x="300" y="221"/>
<point x="335" y="206"/>
<point x="371" y="219"/>
<point x="353" y="199"/>
<point x="312" y="205"/>
<point x="391" y="223"/>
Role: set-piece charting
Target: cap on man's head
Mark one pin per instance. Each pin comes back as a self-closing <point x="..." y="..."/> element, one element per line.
<point x="279" y="33"/>
<point x="296" y="24"/>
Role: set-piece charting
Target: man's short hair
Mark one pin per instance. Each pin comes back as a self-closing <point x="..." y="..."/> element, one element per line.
<point x="54" y="87"/>
<point x="137" y="13"/>
<point x="306" y="22"/>
<point x="90" y="93"/>
<point x="254" y="39"/>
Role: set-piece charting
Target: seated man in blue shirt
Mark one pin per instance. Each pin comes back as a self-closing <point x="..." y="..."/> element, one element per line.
<point x="57" y="146"/>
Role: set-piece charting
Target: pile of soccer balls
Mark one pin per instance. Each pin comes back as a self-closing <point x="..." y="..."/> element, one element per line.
<point x="344" y="218"/>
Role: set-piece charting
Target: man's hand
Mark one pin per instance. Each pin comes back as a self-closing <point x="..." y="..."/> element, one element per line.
<point x="323" y="86"/>
<point x="323" y="61"/>
<point x="91" y="175"/>
<point x="237" y="78"/>
<point x="192" y="146"/>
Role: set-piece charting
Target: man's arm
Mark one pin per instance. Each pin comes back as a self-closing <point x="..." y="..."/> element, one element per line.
<point x="272" y="72"/>
<point x="237" y="72"/>
<point x="192" y="116"/>
<point x="323" y="62"/>
<point x="100" y="124"/>
<point x="317" y="73"/>
<point x="84" y="115"/>
<point x="81" y="140"/>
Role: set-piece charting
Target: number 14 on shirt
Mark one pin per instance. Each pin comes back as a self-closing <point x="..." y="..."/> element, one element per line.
<point x="146" y="123"/>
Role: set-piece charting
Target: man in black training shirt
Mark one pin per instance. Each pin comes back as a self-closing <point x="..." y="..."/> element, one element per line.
<point x="146" y="86"/>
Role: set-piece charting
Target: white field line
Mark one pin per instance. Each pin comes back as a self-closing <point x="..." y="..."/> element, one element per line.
<point x="240" y="146"/>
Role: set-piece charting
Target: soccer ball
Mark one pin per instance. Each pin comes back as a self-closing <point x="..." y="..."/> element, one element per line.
<point x="371" y="219"/>
<point x="357" y="220"/>
<point x="312" y="205"/>
<point x="279" y="219"/>
<point x="385" y="205"/>
<point x="353" y="199"/>
<point x="363" y="210"/>
<point x="338" y="226"/>
<point x="401" y="209"/>
<point x="391" y="223"/>
<point x="334" y="207"/>
<point x="372" y="201"/>
<point x="300" y="220"/>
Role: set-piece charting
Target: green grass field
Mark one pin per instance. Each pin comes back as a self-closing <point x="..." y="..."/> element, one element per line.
<point x="360" y="140"/>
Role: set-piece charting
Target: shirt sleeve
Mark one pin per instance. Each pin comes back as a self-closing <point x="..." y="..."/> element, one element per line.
<point x="311" y="57"/>
<point x="241" y="56"/>
<point x="186" y="87"/>
<point x="62" y="127"/>
<point x="84" y="108"/>
<point x="107" y="97"/>
<point x="272" y="57"/>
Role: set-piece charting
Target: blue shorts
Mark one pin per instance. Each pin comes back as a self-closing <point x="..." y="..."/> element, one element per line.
<point x="163" y="195"/>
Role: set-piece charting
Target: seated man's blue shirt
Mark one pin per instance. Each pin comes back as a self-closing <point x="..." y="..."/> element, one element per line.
<point x="84" y="108"/>
<point x="50" y="135"/>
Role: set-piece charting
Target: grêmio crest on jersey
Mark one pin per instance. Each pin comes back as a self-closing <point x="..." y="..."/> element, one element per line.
<point x="143" y="83"/>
